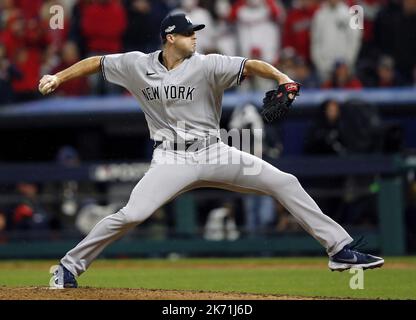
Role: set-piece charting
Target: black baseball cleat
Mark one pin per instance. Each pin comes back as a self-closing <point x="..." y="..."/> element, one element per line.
<point x="62" y="278"/>
<point x="349" y="258"/>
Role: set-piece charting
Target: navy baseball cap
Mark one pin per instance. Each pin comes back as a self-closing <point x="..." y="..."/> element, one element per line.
<point x="178" y="23"/>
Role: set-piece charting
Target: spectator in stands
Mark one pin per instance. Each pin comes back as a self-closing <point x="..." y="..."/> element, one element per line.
<point x="68" y="6"/>
<point x="355" y="131"/>
<point x="29" y="8"/>
<point x="28" y="62"/>
<point x="13" y="35"/>
<point x="385" y="26"/>
<point x="286" y="222"/>
<point x="143" y="22"/>
<point x="332" y="38"/>
<point x="50" y="59"/>
<point x="24" y="41"/>
<point x="103" y="23"/>
<point x="386" y="74"/>
<point x="298" y="25"/>
<point x="258" y="33"/>
<point x="79" y="86"/>
<point x="74" y="30"/>
<point x="221" y="223"/>
<point x="354" y="128"/>
<point x="371" y="8"/>
<point x="342" y="78"/>
<point x="8" y="72"/>
<point x="29" y="213"/>
<point x="191" y="8"/>
<point x="56" y="37"/>
<point x="70" y="196"/>
<point x="287" y="62"/>
<point x="68" y="156"/>
<point x="325" y="137"/>
<point x="304" y="74"/>
<point x="8" y="11"/>
<point x="225" y="37"/>
<point x="361" y="127"/>
<point x="368" y="56"/>
<point x="394" y="35"/>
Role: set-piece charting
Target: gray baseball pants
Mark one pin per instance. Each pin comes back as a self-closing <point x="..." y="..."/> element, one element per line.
<point x="173" y="172"/>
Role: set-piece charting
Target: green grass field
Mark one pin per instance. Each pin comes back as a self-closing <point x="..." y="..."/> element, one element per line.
<point x="308" y="277"/>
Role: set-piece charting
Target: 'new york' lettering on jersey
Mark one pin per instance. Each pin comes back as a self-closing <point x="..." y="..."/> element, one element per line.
<point x="191" y="93"/>
<point x="170" y="92"/>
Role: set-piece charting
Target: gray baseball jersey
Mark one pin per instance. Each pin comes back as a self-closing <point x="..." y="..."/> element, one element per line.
<point x="190" y="94"/>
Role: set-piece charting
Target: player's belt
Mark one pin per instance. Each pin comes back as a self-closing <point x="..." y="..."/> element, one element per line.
<point x="188" y="145"/>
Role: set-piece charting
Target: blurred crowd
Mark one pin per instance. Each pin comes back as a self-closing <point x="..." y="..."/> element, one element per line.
<point x="310" y="40"/>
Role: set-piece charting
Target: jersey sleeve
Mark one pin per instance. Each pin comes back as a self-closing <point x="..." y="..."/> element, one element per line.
<point x="116" y="67"/>
<point x="225" y="71"/>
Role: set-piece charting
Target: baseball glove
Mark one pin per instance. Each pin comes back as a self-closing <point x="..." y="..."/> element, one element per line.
<point x="277" y="102"/>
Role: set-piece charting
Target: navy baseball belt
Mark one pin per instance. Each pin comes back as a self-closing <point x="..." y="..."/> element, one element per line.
<point x="192" y="145"/>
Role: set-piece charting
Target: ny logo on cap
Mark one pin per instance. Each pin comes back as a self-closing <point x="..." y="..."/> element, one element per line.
<point x="170" y="28"/>
<point x="188" y="19"/>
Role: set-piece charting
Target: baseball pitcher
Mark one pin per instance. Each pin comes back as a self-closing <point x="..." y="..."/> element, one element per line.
<point x="180" y="93"/>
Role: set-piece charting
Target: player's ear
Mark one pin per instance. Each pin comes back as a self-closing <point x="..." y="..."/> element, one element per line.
<point x="170" y="38"/>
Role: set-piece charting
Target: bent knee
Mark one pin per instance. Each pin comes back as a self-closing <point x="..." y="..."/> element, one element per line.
<point x="282" y="182"/>
<point x="290" y="180"/>
<point x="136" y="215"/>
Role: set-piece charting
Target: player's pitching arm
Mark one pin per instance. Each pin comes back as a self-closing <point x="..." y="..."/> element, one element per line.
<point x="85" y="67"/>
<point x="264" y="70"/>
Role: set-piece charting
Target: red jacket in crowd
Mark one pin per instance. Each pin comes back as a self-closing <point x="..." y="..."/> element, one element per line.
<point x="271" y="5"/>
<point x="297" y="30"/>
<point x="103" y="25"/>
<point x="24" y="41"/>
<point x="29" y="8"/>
<point x="353" y="83"/>
<point x="28" y="62"/>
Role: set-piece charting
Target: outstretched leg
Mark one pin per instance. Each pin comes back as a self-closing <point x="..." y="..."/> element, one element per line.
<point x="287" y="190"/>
<point x="282" y="186"/>
<point x="160" y="184"/>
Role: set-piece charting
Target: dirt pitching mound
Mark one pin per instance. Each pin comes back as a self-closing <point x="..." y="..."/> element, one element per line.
<point x="44" y="293"/>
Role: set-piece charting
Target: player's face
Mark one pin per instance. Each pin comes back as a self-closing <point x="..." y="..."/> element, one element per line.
<point x="186" y="43"/>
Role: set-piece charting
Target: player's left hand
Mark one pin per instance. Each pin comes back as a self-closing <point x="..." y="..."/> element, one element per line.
<point x="277" y="102"/>
<point x="48" y="84"/>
